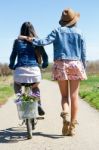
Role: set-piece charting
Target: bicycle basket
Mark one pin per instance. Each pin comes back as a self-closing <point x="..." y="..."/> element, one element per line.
<point x="27" y="109"/>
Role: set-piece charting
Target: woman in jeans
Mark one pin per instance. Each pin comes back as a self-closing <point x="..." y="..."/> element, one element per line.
<point x="69" y="64"/>
<point x="26" y="69"/>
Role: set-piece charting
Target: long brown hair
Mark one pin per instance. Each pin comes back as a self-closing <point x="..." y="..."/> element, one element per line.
<point x="27" y="29"/>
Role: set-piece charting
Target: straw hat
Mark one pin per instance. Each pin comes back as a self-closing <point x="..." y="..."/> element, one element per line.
<point x="69" y="17"/>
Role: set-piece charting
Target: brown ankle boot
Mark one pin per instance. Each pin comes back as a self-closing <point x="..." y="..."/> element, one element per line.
<point x="66" y="123"/>
<point x="72" y="126"/>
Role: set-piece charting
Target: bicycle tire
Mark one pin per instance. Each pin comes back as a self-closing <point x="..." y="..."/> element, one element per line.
<point x="33" y="123"/>
<point x="29" y="128"/>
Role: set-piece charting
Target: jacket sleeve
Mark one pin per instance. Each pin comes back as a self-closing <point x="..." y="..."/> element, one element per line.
<point x="83" y="51"/>
<point x="44" y="57"/>
<point x="46" y="41"/>
<point x="13" y="56"/>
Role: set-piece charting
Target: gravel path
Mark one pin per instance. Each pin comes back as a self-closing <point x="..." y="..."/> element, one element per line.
<point x="47" y="135"/>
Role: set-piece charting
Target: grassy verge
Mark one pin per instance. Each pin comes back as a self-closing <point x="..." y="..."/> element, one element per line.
<point x="6" y="90"/>
<point x="89" y="90"/>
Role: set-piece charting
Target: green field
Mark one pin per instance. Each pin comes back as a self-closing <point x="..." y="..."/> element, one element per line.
<point x="47" y="75"/>
<point x="89" y="90"/>
<point x="6" y="89"/>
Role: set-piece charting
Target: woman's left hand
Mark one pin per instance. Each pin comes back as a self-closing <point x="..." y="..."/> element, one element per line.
<point x="27" y="38"/>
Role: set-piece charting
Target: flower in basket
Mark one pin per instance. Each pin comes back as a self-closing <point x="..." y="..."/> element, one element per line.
<point x="18" y="100"/>
<point x="32" y="96"/>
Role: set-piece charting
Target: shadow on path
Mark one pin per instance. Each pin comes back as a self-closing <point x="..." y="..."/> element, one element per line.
<point x="52" y="136"/>
<point x="13" y="135"/>
<point x="16" y="134"/>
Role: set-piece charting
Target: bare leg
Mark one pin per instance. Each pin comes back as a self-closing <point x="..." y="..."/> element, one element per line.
<point x="63" y="85"/>
<point x="74" y="89"/>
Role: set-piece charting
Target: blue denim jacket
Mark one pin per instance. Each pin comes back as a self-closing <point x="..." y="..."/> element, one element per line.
<point x="24" y="52"/>
<point x="68" y="43"/>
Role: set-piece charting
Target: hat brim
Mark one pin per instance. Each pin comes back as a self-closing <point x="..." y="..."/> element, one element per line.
<point x="70" y="23"/>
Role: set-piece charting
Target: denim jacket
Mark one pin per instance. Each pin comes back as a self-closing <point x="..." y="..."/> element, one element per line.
<point x="24" y="52"/>
<point x="68" y="43"/>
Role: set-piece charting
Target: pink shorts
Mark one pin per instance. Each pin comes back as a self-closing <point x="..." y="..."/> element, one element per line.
<point x="68" y="70"/>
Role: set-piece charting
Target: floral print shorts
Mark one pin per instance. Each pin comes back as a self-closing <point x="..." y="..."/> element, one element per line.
<point x="68" y="70"/>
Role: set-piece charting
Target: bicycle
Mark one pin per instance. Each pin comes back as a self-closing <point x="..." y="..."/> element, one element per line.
<point x="27" y="105"/>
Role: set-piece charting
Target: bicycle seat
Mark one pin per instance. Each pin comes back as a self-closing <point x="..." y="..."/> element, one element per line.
<point x="27" y="84"/>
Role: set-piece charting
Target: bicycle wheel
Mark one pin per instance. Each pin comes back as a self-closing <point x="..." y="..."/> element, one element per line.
<point x="29" y="128"/>
<point x="33" y="122"/>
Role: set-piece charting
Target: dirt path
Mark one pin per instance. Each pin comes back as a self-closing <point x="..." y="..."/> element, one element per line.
<point x="47" y="135"/>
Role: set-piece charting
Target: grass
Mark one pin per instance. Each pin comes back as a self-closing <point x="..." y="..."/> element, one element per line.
<point x="6" y="90"/>
<point x="89" y="90"/>
<point x="47" y="75"/>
